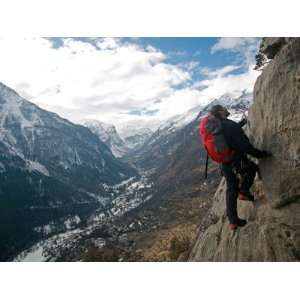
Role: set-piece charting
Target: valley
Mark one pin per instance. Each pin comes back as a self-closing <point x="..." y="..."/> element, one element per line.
<point x="126" y="202"/>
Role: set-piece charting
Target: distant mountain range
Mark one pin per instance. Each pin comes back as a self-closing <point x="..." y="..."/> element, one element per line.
<point x="133" y="138"/>
<point x="136" y="133"/>
<point x="56" y="176"/>
<point x="177" y="131"/>
<point x="108" y="134"/>
<point x="50" y="169"/>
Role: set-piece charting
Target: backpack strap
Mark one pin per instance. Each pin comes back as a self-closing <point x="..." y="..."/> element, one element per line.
<point x="206" y="166"/>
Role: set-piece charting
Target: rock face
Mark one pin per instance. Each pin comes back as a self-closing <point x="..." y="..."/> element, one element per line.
<point x="272" y="45"/>
<point x="273" y="229"/>
<point x="275" y="124"/>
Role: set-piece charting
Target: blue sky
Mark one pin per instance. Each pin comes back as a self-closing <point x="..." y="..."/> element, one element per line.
<point x="184" y="49"/>
<point x="119" y="80"/>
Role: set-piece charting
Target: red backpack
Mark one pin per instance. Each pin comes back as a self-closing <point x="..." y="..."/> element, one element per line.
<point x="210" y="130"/>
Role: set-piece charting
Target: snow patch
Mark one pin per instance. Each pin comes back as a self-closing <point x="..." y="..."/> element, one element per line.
<point x="72" y="222"/>
<point x="36" y="166"/>
<point x="35" y="254"/>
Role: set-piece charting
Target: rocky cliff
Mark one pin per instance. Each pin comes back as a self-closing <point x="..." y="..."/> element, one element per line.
<point x="273" y="229"/>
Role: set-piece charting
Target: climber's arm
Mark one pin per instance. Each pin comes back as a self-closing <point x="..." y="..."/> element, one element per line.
<point x="241" y="142"/>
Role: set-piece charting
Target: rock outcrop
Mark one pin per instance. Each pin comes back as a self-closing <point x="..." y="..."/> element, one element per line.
<point x="273" y="229"/>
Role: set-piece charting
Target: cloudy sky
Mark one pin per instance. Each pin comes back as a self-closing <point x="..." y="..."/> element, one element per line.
<point x="117" y="80"/>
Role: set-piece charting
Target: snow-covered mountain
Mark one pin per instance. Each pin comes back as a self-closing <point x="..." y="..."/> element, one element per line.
<point x="50" y="170"/>
<point x="132" y="136"/>
<point x="173" y="161"/>
<point x="177" y="122"/>
<point x="108" y="134"/>
<point x="137" y="139"/>
<point x="237" y="104"/>
<point x="178" y="130"/>
<point x="65" y="173"/>
<point x="52" y="144"/>
<point x="136" y="133"/>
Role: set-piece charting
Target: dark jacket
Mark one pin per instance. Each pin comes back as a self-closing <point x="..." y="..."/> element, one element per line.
<point x="237" y="139"/>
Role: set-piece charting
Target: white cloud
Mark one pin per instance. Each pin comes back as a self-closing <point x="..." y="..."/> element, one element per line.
<point x="108" y="43"/>
<point x="179" y="102"/>
<point x="210" y="73"/>
<point x="246" y="46"/>
<point x="232" y="43"/>
<point x="190" y="66"/>
<point x="110" y="80"/>
<point x="79" y="79"/>
<point x="221" y="83"/>
<point x="177" y="53"/>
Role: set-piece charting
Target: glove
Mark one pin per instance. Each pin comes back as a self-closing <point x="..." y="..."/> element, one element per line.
<point x="265" y="153"/>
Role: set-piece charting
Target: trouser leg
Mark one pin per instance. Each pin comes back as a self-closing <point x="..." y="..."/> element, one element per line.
<point x="232" y="190"/>
<point x="247" y="176"/>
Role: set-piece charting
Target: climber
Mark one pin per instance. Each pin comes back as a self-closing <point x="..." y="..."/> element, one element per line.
<point x="226" y="143"/>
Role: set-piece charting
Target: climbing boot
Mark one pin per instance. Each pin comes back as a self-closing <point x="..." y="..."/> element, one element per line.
<point x="246" y="196"/>
<point x="233" y="226"/>
<point x="239" y="223"/>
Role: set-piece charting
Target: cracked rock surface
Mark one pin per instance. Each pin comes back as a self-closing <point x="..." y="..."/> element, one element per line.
<point x="273" y="229"/>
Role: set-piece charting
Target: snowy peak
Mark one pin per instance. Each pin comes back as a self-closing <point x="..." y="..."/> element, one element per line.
<point x="45" y="139"/>
<point x="237" y="104"/>
<point x="242" y="99"/>
<point x="129" y="130"/>
<point x="136" y="132"/>
<point x="136" y="135"/>
<point x="22" y="121"/>
<point x="170" y="136"/>
<point x="7" y="91"/>
<point x="102" y="130"/>
<point x="51" y="169"/>
<point x="12" y="106"/>
<point x="179" y="121"/>
<point x="108" y="134"/>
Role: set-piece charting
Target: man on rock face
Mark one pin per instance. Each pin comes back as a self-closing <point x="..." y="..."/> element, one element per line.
<point x="226" y="143"/>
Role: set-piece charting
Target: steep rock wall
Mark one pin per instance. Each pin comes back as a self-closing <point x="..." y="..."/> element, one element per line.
<point x="273" y="229"/>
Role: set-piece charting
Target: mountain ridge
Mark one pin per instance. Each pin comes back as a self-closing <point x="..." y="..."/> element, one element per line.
<point x="108" y="134"/>
<point x="59" y="168"/>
